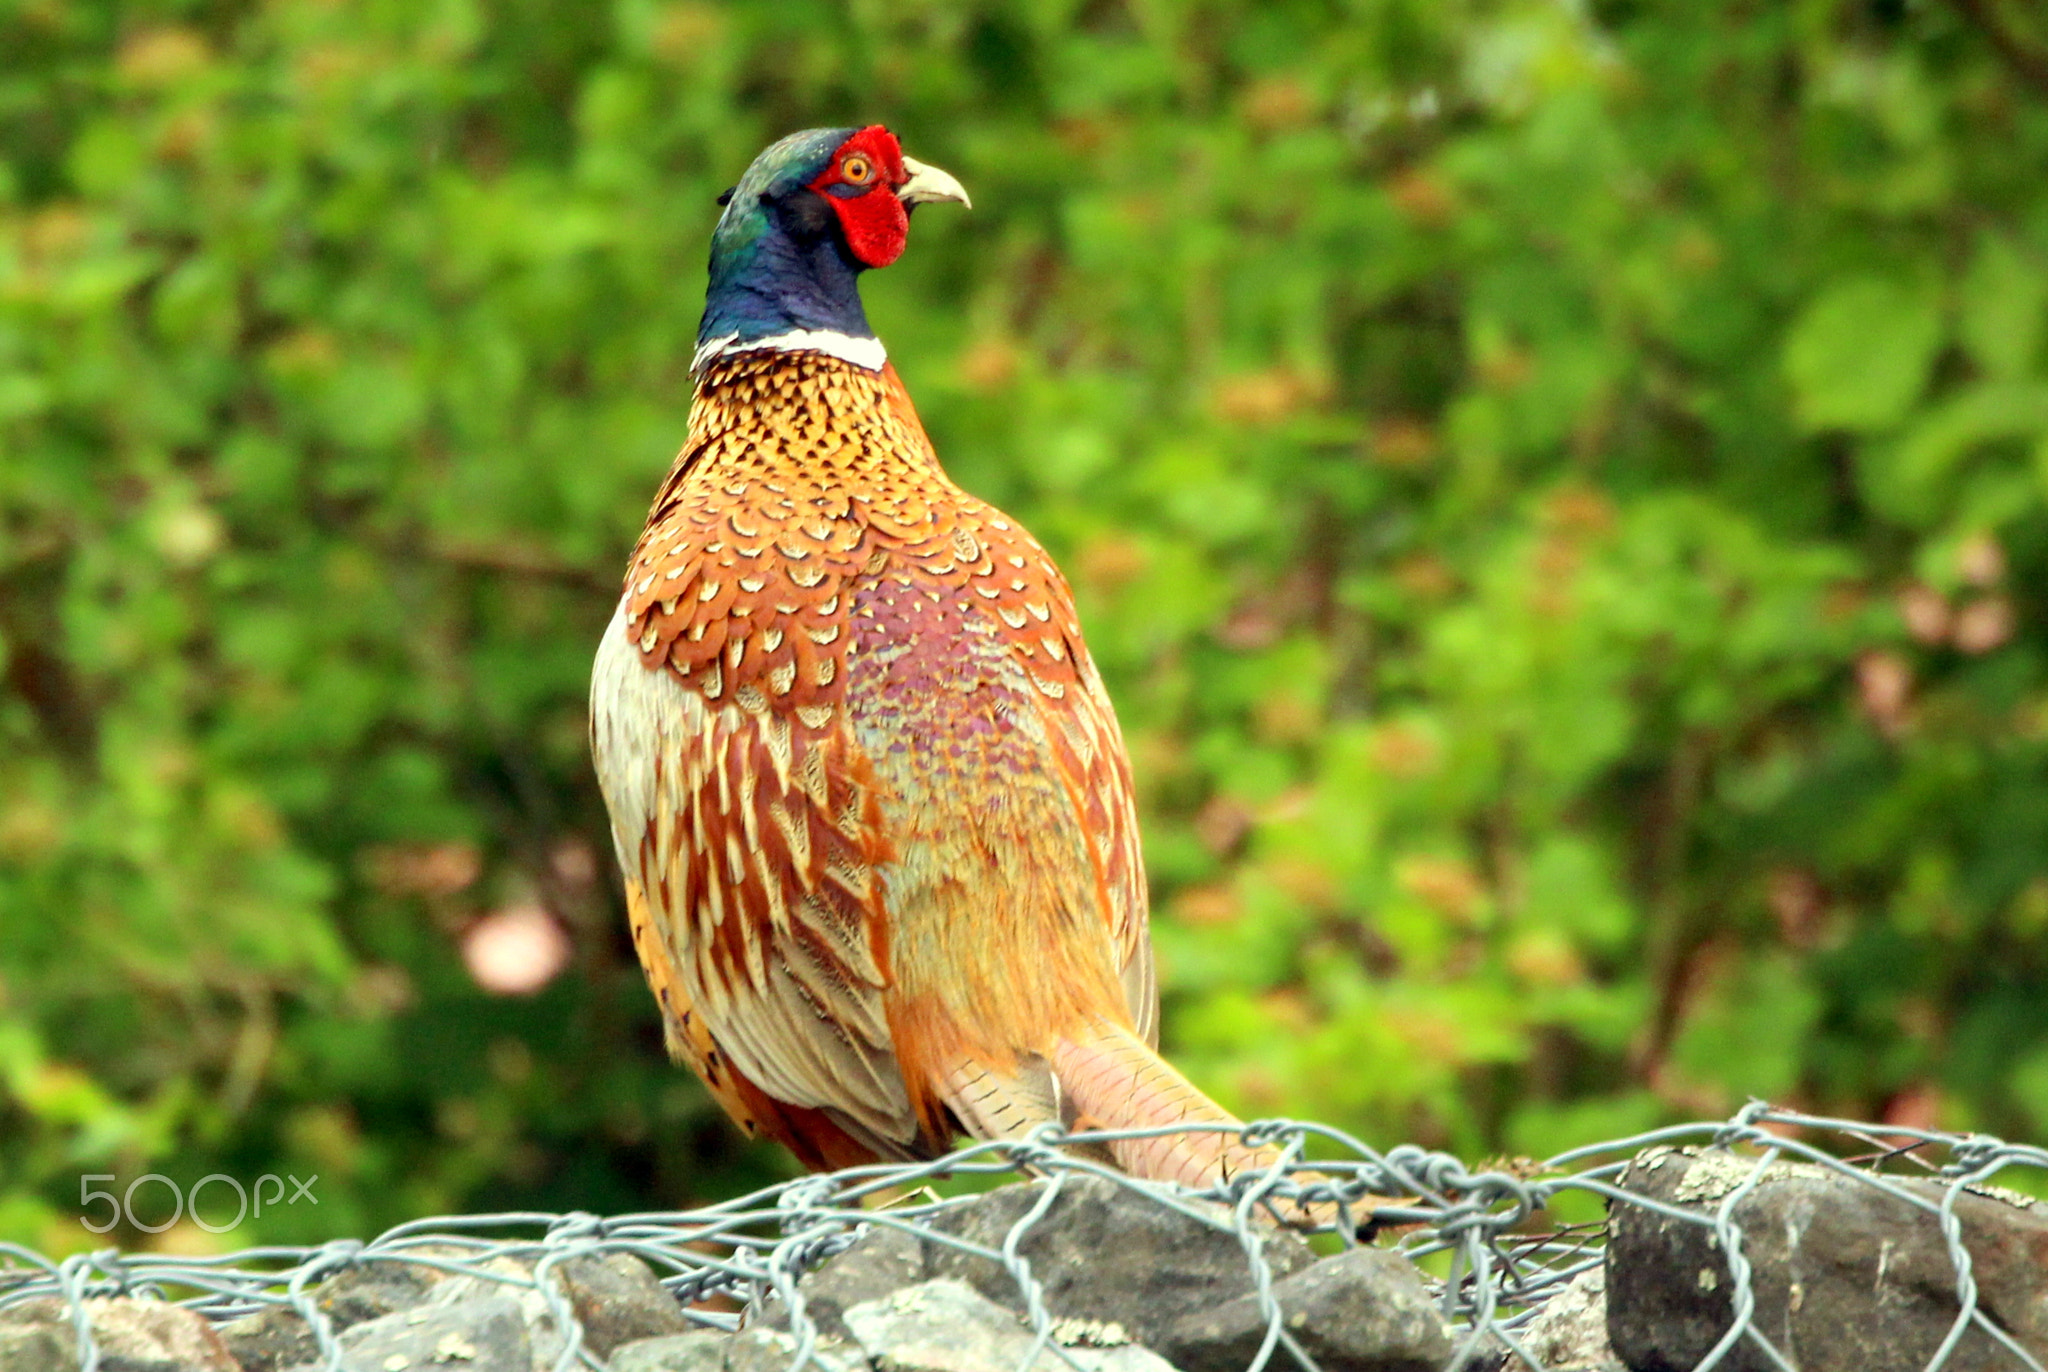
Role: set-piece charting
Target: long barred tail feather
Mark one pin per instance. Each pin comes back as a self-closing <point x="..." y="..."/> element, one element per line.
<point x="1115" y="1081"/>
<point x="1104" y="1077"/>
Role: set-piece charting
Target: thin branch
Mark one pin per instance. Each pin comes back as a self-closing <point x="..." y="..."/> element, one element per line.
<point x="2029" y="63"/>
<point x="515" y="560"/>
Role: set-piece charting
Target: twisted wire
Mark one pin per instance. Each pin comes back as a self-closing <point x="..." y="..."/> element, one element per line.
<point x="1481" y="1229"/>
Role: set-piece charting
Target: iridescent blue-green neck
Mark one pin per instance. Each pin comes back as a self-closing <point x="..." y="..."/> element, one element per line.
<point x="778" y="263"/>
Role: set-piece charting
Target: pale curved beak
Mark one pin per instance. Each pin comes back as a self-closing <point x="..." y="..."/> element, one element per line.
<point x="927" y="183"/>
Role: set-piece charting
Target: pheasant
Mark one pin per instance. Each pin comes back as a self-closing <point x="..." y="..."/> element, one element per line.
<point x="867" y="792"/>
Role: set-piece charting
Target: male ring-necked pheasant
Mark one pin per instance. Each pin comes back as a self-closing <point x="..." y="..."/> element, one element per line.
<point x="869" y="797"/>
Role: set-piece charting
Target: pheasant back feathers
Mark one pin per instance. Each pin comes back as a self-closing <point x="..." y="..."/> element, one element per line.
<point x="902" y="800"/>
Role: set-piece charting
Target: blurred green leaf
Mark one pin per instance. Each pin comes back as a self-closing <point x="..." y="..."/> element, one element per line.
<point x="1860" y="352"/>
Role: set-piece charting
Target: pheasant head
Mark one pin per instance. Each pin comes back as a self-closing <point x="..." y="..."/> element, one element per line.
<point x="814" y="211"/>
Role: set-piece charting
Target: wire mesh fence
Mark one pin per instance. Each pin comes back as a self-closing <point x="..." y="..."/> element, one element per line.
<point x="1489" y="1235"/>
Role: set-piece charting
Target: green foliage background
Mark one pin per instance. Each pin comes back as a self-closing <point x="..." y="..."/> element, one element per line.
<point x="1556" y="491"/>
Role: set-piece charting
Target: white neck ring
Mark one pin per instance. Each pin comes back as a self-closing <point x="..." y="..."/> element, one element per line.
<point x="861" y="352"/>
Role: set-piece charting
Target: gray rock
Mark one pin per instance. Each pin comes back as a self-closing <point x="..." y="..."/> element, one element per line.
<point x="1569" y="1334"/>
<point x="703" y="1351"/>
<point x="269" y="1340"/>
<point x="373" y="1290"/>
<point x="948" y="1326"/>
<point x="1847" y="1278"/>
<point x="1364" y="1310"/>
<point x="615" y="1297"/>
<point x="511" y="1279"/>
<point x="38" y="1347"/>
<point x="618" y="1300"/>
<point x="132" y="1335"/>
<point x="771" y="1350"/>
<point x="278" y="1338"/>
<point x="486" y="1334"/>
<point x="1106" y="1253"/>
<point x="883" y="1260"/>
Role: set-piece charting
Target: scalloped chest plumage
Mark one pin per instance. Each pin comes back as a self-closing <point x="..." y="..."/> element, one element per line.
<point x="808" y="498"/>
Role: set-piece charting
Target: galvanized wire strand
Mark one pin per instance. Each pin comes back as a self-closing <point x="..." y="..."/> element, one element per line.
<point x="1028" y="1285"/>
<point x="1728" y="1237"/>
<point x="81" y="1319"/>
<point x="1966" y="1282"/>
<point x="1476" y="1221"/>
<point x="1254" y="1246"/>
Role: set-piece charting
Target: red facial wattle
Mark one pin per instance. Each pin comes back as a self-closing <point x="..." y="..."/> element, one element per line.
<point x="874" y="220"/>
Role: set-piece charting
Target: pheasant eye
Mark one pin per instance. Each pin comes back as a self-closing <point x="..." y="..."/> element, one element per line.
<point x="857" y="169"/>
